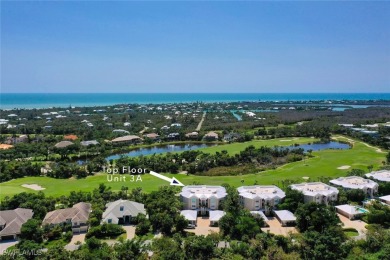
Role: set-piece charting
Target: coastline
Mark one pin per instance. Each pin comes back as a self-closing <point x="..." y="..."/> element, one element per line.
<point x="61" y="100"/>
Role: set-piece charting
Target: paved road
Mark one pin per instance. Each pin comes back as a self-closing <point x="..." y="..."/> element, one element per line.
<point x="201" y="122"/>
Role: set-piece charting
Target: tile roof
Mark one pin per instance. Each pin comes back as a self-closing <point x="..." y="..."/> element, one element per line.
<point x="78" y="213"/>
<point x="13" y="220"/>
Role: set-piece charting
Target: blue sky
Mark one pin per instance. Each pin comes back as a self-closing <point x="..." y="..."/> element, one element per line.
<point x="195" y="47"/>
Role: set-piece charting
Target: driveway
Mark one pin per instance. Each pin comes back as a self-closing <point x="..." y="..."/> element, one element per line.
<point x="77" y="238"/>
<point x="359" y="225"/>
<point x="6" y="244"/>
<point x="130" y="231"/>
<point x="276" y="228"/>
<point x="203" y="227"/>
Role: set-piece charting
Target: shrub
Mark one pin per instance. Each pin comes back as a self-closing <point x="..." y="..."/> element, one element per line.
<point x="105" y="230"/>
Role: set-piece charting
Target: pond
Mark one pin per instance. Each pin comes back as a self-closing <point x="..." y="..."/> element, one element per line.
<point x="323" y="146"/>
<point x="160" y="149"/>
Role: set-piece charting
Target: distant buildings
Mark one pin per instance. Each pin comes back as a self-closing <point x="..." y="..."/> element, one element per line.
<point x="88" y="143"/>
<point x="255" y="198"/>
<point x="11" y="222"/>
<point x="354" y="182"/>
<point x="122" y="211"/>
<point x="15" y="140"/>
<point x="152" y="136"/>
<point x="211" y="136"/>
<point x="231" y="137"/>
<point x="127" y="139"/>
<point x="70" y="137"/>
<point x="192" y="135"/>
<point x="77" y="216"/>
<point x="317" y="192"/>
<point x="63" y="144"/>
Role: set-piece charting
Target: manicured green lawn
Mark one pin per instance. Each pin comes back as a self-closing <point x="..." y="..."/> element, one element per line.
<point x="237" y="147"/>
<point x="351" y="232"/>
<point x="323" y="164"/>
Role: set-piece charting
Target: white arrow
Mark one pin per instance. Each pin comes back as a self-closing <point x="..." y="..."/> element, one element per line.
<point x="173" y="180"/>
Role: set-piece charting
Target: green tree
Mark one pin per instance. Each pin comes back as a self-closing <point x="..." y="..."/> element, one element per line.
<point x="316" y="217"/>
<point x="356" y="172"/>
<point x="199" y="247"/>
<point x="292" y="200"/>
<point x="327" y="245"/>
<point x="31" y="230"/>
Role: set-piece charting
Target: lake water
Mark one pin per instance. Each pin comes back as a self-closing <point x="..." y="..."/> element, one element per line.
<point x="160" y="149"/>
<point x="323" y="146"/>
<point x="187" y="147"/>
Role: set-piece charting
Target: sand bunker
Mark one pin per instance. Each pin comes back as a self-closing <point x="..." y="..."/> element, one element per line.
<point x="33" y="186"/>
<point x="286" y="140"/>
<point x="344" y="167"/>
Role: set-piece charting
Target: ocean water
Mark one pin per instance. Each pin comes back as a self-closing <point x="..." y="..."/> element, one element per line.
<point x="43" y="100"/>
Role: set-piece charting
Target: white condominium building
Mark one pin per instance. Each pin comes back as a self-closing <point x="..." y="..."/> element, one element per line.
<point x="202" y="198"/>
<point x="383" y="175"/>
<point x="355" y="182"/>
<point x="316" y="192"/>
<point x="258" y="197"/>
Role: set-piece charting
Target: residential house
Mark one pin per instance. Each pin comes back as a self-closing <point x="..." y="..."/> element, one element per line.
<point x="202" y="198"/>
<point x="11" y="222"/>
<point x="174" y="136"/>
<point x="317" y="192"/>
<point x="383" y="175"/>
<point x="77" y="216"/>
<point x="355" y="182"/>
<point x="153" y="136"/>
<point x="350" y="211"/>
<point x="88" y="143"/>
<point x="122" y="211"/>
<point x="231" y="137"/>
<point x="127" y="139"/>
<point x="63" y="144"/>
<point x="192" y="135"/>
<point x="120" y="131"/>
<point x="70" y="137"/>
<point x="260" y="198"/>
<point x="16" y="139"/>
<point x="211" y="136"/>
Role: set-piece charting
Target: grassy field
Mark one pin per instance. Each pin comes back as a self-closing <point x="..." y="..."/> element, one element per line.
<point x="323" y="164"/>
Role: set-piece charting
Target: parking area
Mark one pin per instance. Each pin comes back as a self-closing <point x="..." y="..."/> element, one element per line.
<point x="203" y="227"/>
<point x="276" y="228"/>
